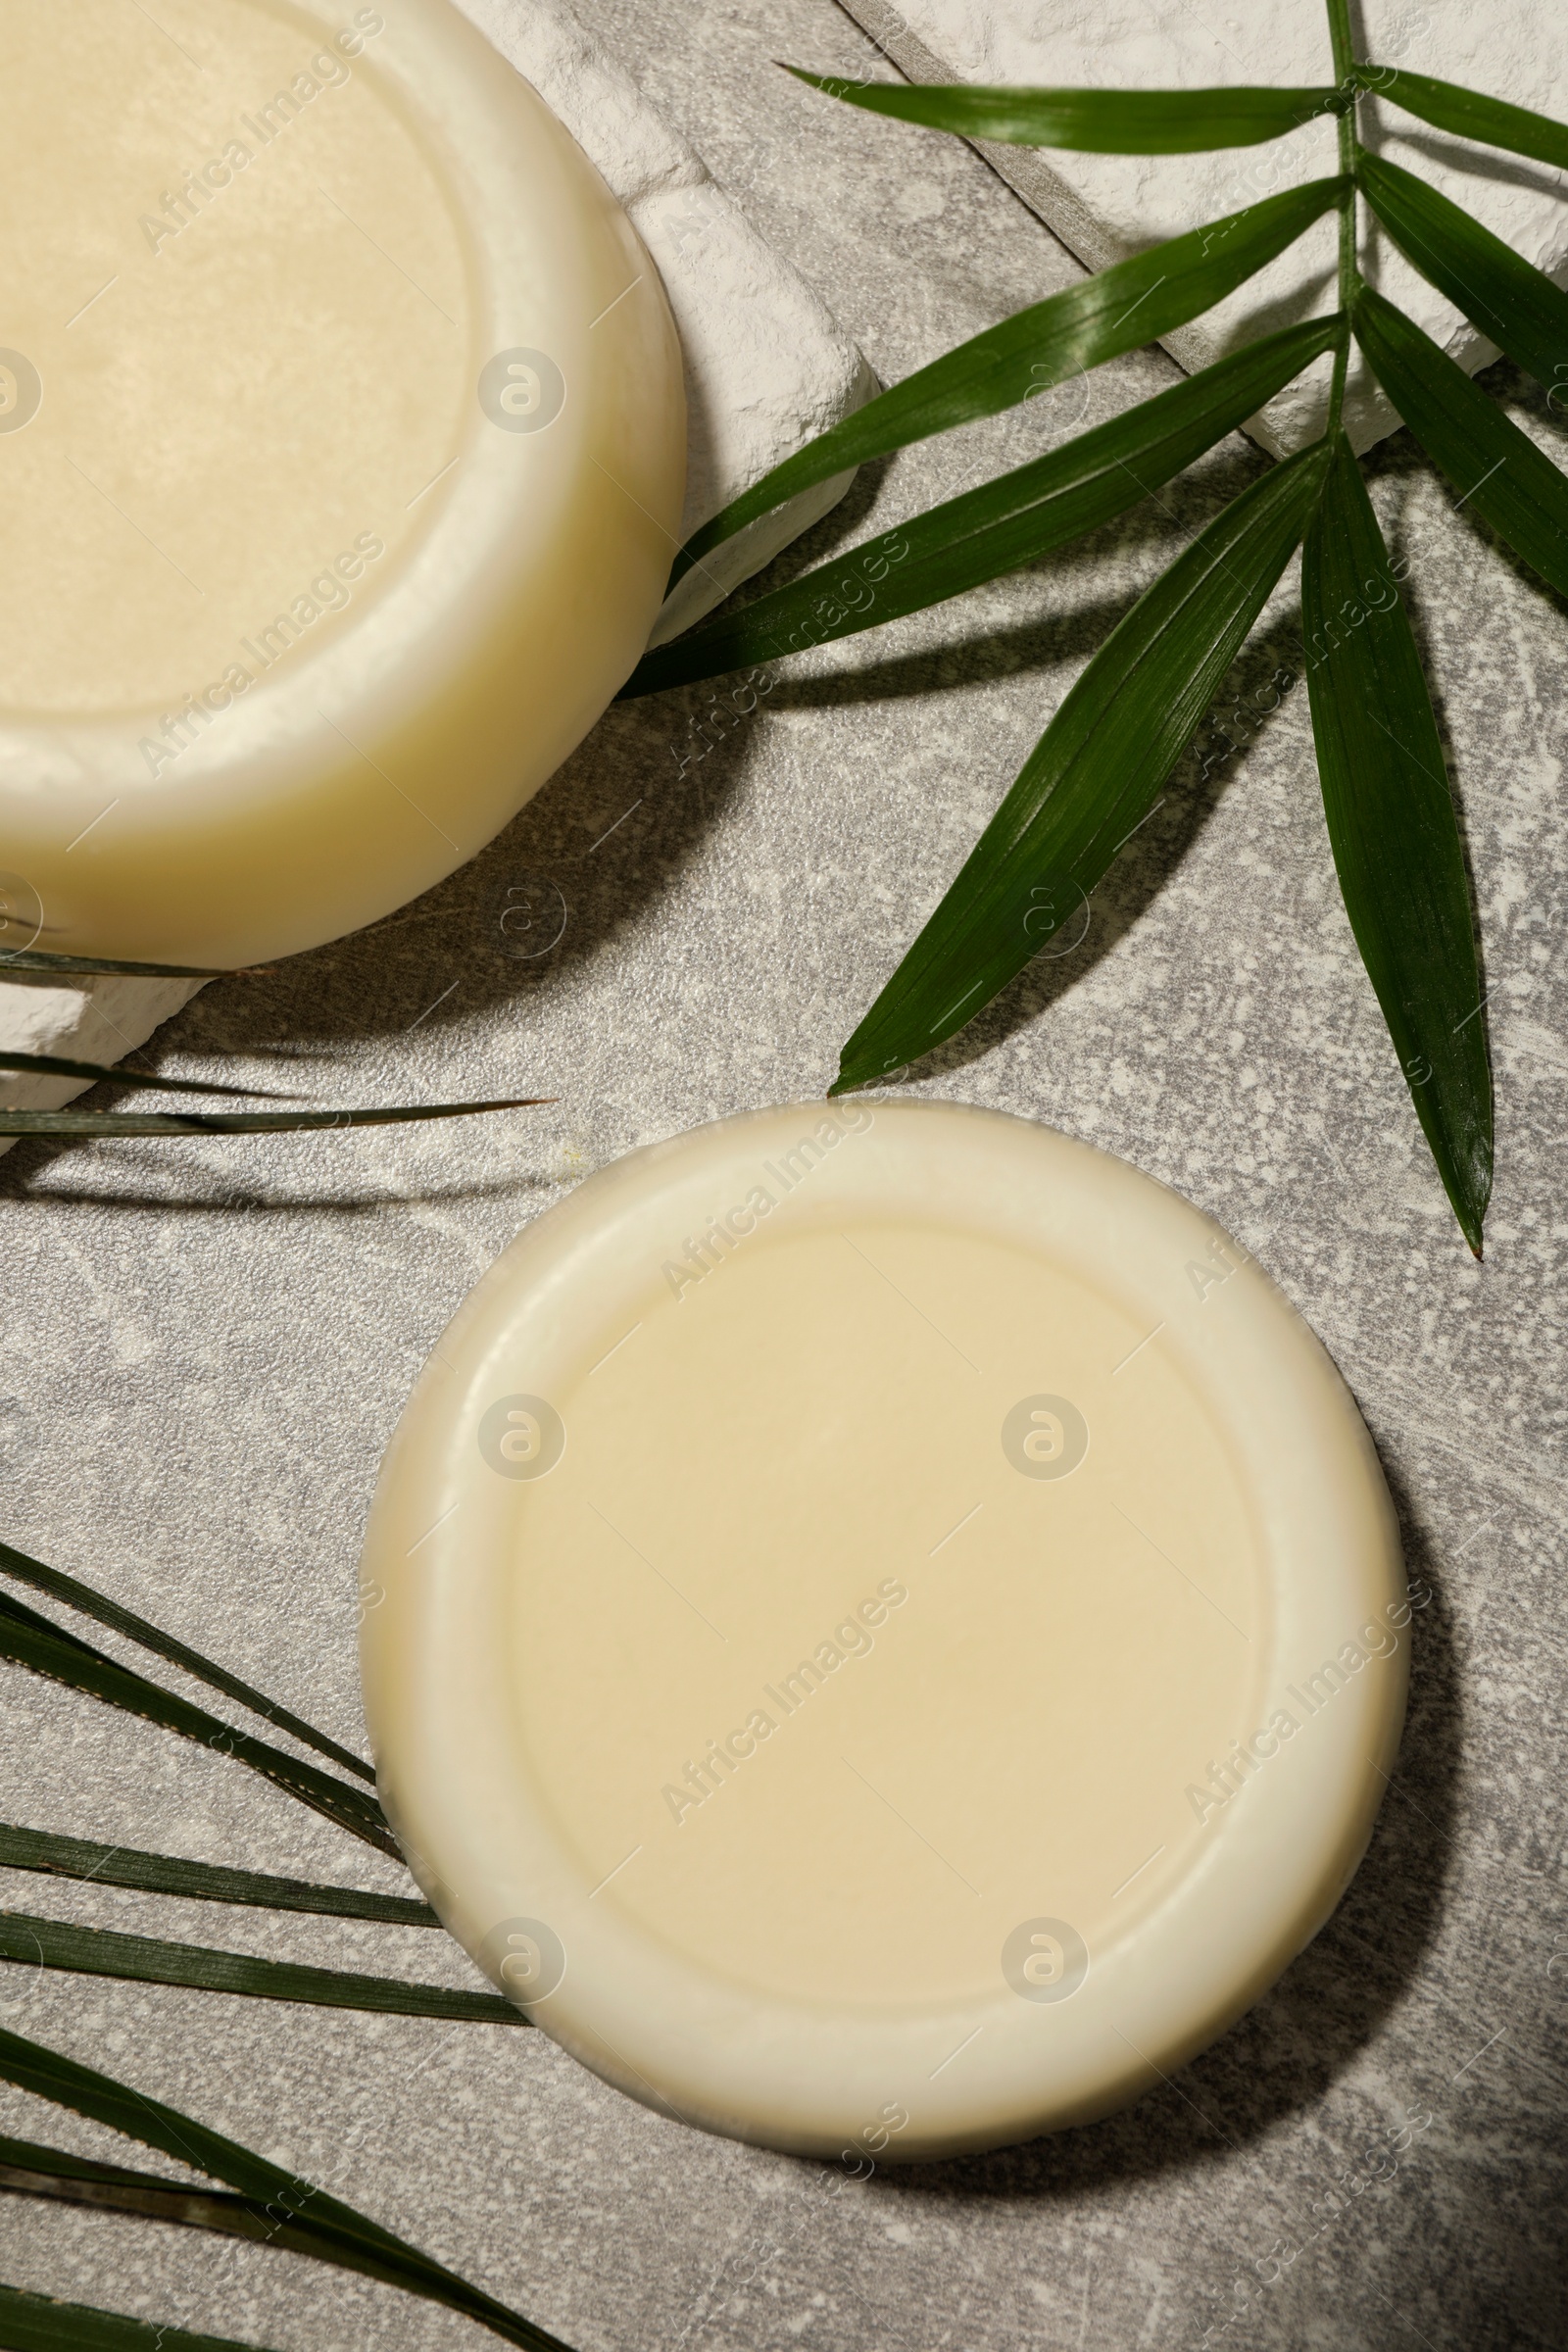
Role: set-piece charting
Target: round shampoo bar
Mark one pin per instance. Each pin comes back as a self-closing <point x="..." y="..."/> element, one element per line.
<point x="342" y="447"/>
<point x="884" y="1631"/>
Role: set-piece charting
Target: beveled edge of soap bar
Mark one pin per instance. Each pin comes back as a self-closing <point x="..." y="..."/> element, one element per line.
<point x="804" y="2077"/>
<point x="430" y="738"/>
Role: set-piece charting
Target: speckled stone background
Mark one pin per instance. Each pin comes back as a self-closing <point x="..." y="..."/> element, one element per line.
<point x="208" y="1344"/>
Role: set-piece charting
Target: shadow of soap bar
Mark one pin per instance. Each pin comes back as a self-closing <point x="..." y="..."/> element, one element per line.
<point x="1106" y="206"/>
<point x="884" y="1632"/>
<point x="766" y="367"/>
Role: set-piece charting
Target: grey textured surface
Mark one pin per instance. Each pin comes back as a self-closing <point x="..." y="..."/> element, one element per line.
<point x="210" y="1341"/>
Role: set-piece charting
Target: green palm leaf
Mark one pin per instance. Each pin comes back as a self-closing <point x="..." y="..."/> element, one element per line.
<point x="1132" y="303"/>
<point x="242" y="1122"/>
<point x="24" y="1570"/>
<point x="340" y="2233"/>
<point x="1448" y="106"/>
<point x="62" y="1857"/>
<point x="41" y="2324"/>
<point x="31" y="1642"/>
<point x="22" y="964"/>
<point x="28" y="2161"/>
<point x="1005" y="523"/>
<point x="17" y="1613"/>
<point x="30" y="2170"/>
<point x="1094" y="122"/>
<point x="1495" y="468"/>
<point x="1519" y="308"/>
<point x="1393" y="832"/>
<point x="35" y="1943"/>
<point x="1094" y="774"/>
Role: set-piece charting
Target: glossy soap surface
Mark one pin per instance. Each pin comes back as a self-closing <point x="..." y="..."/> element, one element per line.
<point x="814" y="1600"/>
<point x="333" y="511"/>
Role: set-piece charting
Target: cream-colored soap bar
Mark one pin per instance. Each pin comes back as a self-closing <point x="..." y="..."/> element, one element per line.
<point x="882" y="1629"/>
<point x="341" y="453"/>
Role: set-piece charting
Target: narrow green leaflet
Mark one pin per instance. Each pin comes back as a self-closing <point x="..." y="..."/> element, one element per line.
<point x="1132" y="303"/>
<point x="199" y="1882"/>
<point x="1005" y="523"/>
<point x="49" y="2075"/>
<point x="17" y="1612"/>
<point x="1495" y="468"/>
<point x="21" y="962"/>
<point x="40" y="2323"/>
<point x="240" y="1123"/>
<point x="51" y="1065"/>
<point x="1095" y="122"/>
<point x="1517" y="306"/>
<point x="25" y="1570"/>
<point x="62" y="1659"/>
<point x="28" y="2169"/>
<point x="1094" y="774"/>
<point x="27" y="2160"/>
<point x="1393" y="832"/>
<point x="37" y="1942"/>
<point x="1448" y="106"/>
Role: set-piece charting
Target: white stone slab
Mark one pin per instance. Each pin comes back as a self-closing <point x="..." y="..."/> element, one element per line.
<point x="1106" y="206"/>
<point x="766" y="368"/>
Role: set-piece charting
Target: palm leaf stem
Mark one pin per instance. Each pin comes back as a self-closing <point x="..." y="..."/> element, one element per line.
<point x="1343" y="71"/>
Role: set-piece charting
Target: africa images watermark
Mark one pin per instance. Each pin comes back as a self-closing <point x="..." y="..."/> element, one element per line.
<point x="722" y="1235"/>
<point x="721" y="1760"/>
<point x="329" y="592"/>
<point x="328" y="70"/>
<point x="1377" y="1639"/>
